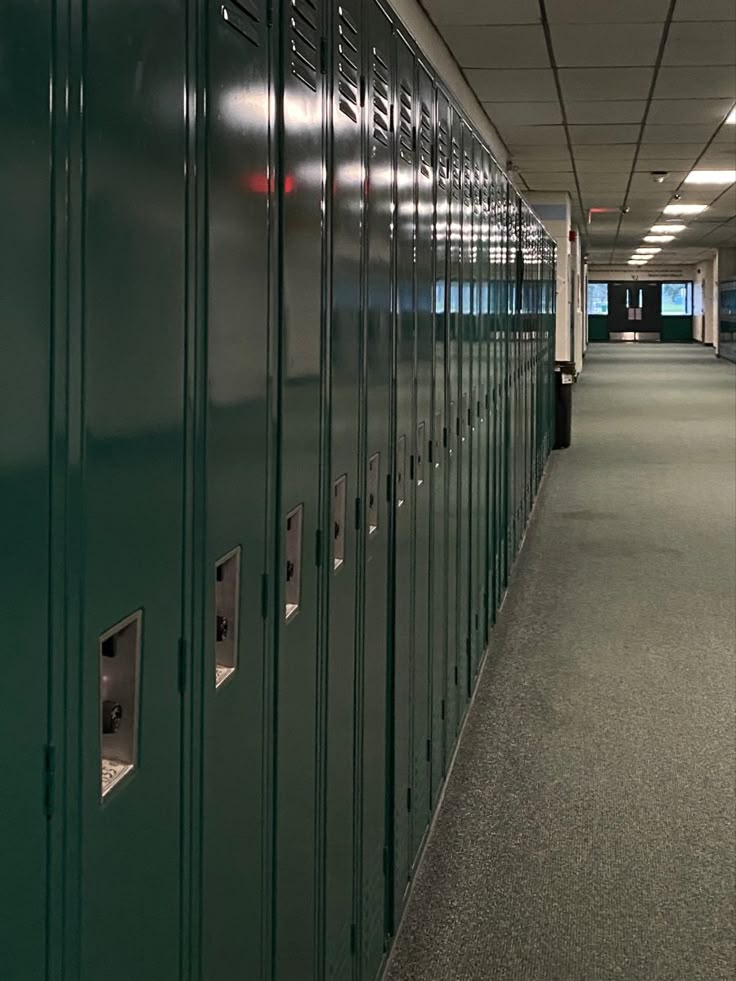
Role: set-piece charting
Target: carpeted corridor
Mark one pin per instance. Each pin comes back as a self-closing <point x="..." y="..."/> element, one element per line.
<point x="588" y="831"/>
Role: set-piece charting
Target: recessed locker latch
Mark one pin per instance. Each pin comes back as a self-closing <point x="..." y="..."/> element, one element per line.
<point x="227" y="603"/>
<point x="119" y="665"/>
<point x="339" y="499"/>
<point x="293" y="573"/>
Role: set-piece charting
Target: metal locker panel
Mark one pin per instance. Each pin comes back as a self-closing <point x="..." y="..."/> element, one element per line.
<point x="130" y="489"/>
<point x="25" y="484"/>
<point x="424" y="126"/>
<point x="302" y="113"/>
<point x="475" y="501"/>
<point x="345" y="499"/>
<point x="238" y="210"/>
<point x="379" y="471"/>
<point x="484" y="388"/>
<point x="439" y="457"/>
<point x="498" y="256"/>
<point x="405" y="490"/>
<point x="454" y="325"/>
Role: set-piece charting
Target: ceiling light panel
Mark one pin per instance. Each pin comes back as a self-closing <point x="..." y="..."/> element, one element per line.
<point x="731" y="117"/>
<point x="647" y="251"/>
<point x="667" y="229"/>
<point x="711" y="177"/>
<point x="684" y="209"/>
<point x="658" y="238"/>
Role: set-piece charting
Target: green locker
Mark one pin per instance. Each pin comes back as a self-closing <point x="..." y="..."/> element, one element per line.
<point x="438" y="463"/>
<point x="454" y="326"/>
<point x="485" y="483"/>
<point x="234" y="671"/>
<point x="378" y="476"/>
<point x="344" y="497"/>
<point x="128" y="294"/>
<point x="300" y="166"/>
<point x="424" y="129"/>
<point x="404" y="493"/>
<point x="26" y="32"/>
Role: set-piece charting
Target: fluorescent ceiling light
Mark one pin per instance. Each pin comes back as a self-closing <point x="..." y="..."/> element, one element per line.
<point x="638" y="262"/>
<point x="731" y="117"/>
<point x="684" y="209"/>
<point x="651" y="251"/>
<point x="666" y="229"/>
<point x="658" y="238"/>
<point x="711" y="177"/>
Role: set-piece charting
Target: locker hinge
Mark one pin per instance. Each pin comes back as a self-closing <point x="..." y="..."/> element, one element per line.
<point x="49" y="779"/>
<point x="408" y="798"/>
<point x="391" y="119"/>
<point x="323" y="55"/>
<point x="352" y="938"/>
<point x="269" y="14"/>
<point x="442" y="710"/>
<point x="456" y="674"/>
<point x="429" y="750"/>
<point x="411" y="467"/>
<point x="264" y="596"/>
<point x="444" y="437"/>
<point x="429" y="451"/>
<point x="467" y="646"/>
<point x="457" y="425"/>
<point x="358" y="513"/>
<point x="362" y="90"/>
<point x="470" y="416"/>
<point x="181" y="681"/>
<point x="388" y="487"/>
<point x="318" y="548"/>
<point x="385" y="859"/>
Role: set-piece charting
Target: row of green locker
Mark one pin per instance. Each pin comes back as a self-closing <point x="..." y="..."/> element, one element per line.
<point x="277" y="341"/>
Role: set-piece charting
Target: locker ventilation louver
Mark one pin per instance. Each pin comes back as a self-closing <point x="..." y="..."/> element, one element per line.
<point x="467" y="180"/>
<point x="381" y="119"/>
<point x="456" y="175"/>
<point x="443" y="156"/>
<point x="486" y="193"/>
<point x="304" y="41"/>
<point x="406" y="129"/>
<point x="348" y="72"/>
<point x="425" y="141"/>
<point x="476" y="190"/>
<point x="243" y="16"/>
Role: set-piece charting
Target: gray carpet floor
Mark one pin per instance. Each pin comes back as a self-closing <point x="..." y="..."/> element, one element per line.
<point x="588" y="831"/>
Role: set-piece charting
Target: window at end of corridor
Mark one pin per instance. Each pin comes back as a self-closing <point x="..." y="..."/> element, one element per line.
<point x="677" y="299"/>
<point x="598" y="299"/>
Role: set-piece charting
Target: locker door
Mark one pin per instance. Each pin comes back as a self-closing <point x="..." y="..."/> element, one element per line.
<point x="345" y="499"/>
<point x="439" y="457"/>
<point x="465" y="438"/>
<point x="301" y="198"/>
<point x="454" y="324"/>
<point x="484" y="387"/>
<point x="424" y="300"/>
<point x="379" y="368"/>
<point x="131" y="490"/>
<point x="475" y="502"/>
<point x="234" y="664"/>
<point x="25" y="287"/>
<point x="404" y="484"/>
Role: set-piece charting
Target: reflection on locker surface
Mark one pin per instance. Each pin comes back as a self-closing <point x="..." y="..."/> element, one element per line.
<point x="286" y="405"/>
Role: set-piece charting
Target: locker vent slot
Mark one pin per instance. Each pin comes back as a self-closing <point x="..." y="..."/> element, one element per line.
<point x="486" y="193"/>
<point x="406" y="129"/>
<point x="243" y="17"/>
<point x="476" y="189"/>
<point x="456" y="174"/>
<point x="425" y="141"/>
<point x="119" y="659"/>
<point x="467" y="181"/>
<point x="381" y="99"/>
<point x="304" y="42"/>
<point x="374" y="475"/>
<point x="339" y="500"/>
<point x="227" y="604"/>
<point x="443" y="156"/>
<point x="401" y="472"/>
<point x="348" y="71"/>
<point x="293" y="566"/>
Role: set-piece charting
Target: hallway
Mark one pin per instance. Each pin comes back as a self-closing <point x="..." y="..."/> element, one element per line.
<point x="587" y="832"/>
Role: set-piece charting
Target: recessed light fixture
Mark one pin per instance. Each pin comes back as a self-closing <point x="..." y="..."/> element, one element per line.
<point x="684" y="209"/>
<point x="711" y="177"/>
<point x="731" y="117"/>
<point x="651" y="251"/>
<point x="667" y="229"/>
<point x="658" y="238"/>
<point x="638" y="262"/>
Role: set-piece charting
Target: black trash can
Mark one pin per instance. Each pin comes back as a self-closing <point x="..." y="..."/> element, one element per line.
<point x="564" y="378"/>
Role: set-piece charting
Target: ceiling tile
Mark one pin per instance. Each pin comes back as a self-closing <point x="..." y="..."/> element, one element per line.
<point x="599" y="45"/>
<point x="493" y="85"/>
<point x="580" y="135"/>
<point x="698" y="10"/>
<point x="707" y="43"/>
<point x="672" y="151"/>
<point x="606" y="11"/>
<point x="483" y="11"/>
<point x="643" y="180"/>
<point x="498" y="47"/>
<point x="523" y="113"/>
<point x="608" y="152"/>
<point x="677" y="133"/>
<point x="688" y="110"/>
<point x="605" y="83"/>
<point x="621" y="111"/>
<point x="549" y="182"/>
<point x="534" y="136"/>
<point x="696" y="83"/>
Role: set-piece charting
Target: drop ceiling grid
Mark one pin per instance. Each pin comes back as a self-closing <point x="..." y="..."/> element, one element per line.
<point x="592" y="96"/>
